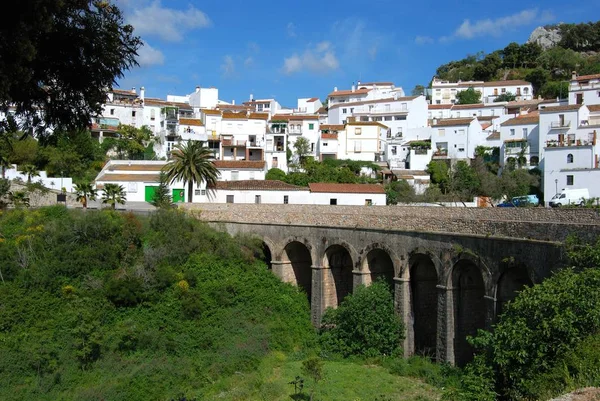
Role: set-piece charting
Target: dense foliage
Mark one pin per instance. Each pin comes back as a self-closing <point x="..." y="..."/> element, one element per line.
<point x="340" y="171"/>
<point x="546" y="69"/>
<point x="102" y="305"/>
<point x="365" y="323"/>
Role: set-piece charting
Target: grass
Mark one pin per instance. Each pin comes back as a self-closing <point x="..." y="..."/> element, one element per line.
<point x="344" y="381"/>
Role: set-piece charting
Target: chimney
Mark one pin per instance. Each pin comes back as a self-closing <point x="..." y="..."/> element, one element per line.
<point x="233" y="102"/>
<point x="133" y="90"/>
<point x="335" y="88"/>
<point x="197" y="89"/>
<point x="142" y="93"/>
<point x="353" y="88"/>
<point x="357" y="83"/>
<point x="573" y="75"/>
<point x="251" y="97"/>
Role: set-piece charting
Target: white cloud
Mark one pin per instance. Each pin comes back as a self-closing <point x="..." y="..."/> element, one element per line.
<point x="147" y="56"/>
<point x="319" y="59"/>
<point x="168" y="24"/>
<point x="291" y="30"/>
<point x="249" y="61"/>
<point x="228" y="66"/>
<point x="423" y="40"/>
<point x="496" y="27"/>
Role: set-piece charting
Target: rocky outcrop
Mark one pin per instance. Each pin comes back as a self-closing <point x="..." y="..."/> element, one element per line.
<point x="546" y="37"/>
<point x="586" y="394"/>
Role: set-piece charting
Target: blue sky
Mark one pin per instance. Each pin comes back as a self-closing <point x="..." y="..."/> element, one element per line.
<point x="288" y="50"/>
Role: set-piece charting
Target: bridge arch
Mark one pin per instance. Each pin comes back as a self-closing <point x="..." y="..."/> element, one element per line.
<point x="468" y="283"/>
<point x="269" y="251"/>
<point x="379" y="261"/>
<point x="423" y="273"/>
<point x="338" y="262"/>
<point x="296" y="264"/>
<point x="514" y="277"/>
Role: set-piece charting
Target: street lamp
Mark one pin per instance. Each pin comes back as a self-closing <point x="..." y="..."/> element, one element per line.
<point x="556" y="184"/>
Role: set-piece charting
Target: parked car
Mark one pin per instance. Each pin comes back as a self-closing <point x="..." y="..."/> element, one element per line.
<point x="521" y="201"/>
<point x="570" y="197"/>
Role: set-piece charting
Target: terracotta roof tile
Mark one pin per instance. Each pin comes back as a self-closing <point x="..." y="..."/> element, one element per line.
<point x="452" y="122"/>
<point x="349" y="92"/>
<point x="494" y="135"/>
<point x="332" y="127"/>
<point x="476" y="106"/>
<point x="258" y="116"/>
<point x="509" y="82"/>
<point x="526" y="119"/>
<point x="487" y="118"/>
<point x="191" y="121"/>
<point x="238" y="107"/>
<point x="346" y="188"/>
<point x="240" y="164"/>
<point x="439" y="106"/>
<point x="211" y="112"/>
<point x="128" y="178"/>
<point x="486" y="125"/>
<point x="124" y="92"/>
<point x="566" y="107"/>
<point x="312" y="99"/>
<point x="235" y="116"/>
<point x="257" y="185"/>
<point x="363" y="123"/>
<point x="328" y="136"/>
<point x="594" y="107"/>
<point x="587" y="77"/>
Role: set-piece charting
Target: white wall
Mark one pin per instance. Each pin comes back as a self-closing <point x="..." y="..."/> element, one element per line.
<point x="320" y="198"/>
<point x="56" y="183"/>
<point x="590" y="91"/>
<point x="242" y="174"/>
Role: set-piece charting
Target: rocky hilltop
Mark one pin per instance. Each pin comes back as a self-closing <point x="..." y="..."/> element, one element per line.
<point x="545" y="36"/>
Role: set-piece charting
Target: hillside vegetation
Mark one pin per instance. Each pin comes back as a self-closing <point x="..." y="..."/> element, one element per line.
<point x="548" y="69"/>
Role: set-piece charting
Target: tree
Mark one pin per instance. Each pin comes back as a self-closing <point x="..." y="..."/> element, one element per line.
<point x="113" y="194"/>
<point x="418" y="90"/>
<point x="84" y="192"/>
<point x="275" y="174"/>
<point x="538" y="78"/>
<point x="19" y="199"/>
<point x="364" y="323"/>
<point x="468" y="96"/>
<point x="439" y="173"/>
<point x="464" y="180"/>
<point x="302" y="148"/>
<point x="555" y="90"/>
<point x="313" y="368"/>
<point x="133" y="142"/>
<point x="30" y="171"/>
<point x="399" y="191"/>
<point x="505" y="97"/>
<point x="61" y="56"/>
<point x="162" y="198"/>
<point x="192" y="164"/>
<point x="4" y="191"/>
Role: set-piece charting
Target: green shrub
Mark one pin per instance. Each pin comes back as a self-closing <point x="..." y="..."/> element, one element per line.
<point x="127" y="291"/>
<point x="364" y="324"/>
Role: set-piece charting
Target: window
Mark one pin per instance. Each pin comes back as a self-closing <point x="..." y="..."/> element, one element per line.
<point x="133" y="113"/>
<point x="368" y="202"/>
<point x="311" y="126"/>
<point x="461" y="132"/>
<point x="357" y="146"/>
<point x="570" y="158"/>
<point x="438" y="102"/>
<point x="112" y="112"/>
<point x="358" y="131"/>
<point x="196" y="192"/>
<point x="333" y="201"/>
<point x="312" y="146"/>
<point x="352" y="110"/>
<point x="256" y="198"/>
<point x="495" y="91"/>
<point x="152" y="114"/>
<point x="579" y="98"/>
<point x="377" y="118"/>
<point x="267" y="106"/>
<point x="229" y="198"/>
<point x="512" y="132"/>
<point x="325" y="144"/>
<point x="235" y="175"/>
<point x="441" y="132"/>
<point x="260" y="107"/>
<point x="503" y="90"/>
<point x="570" y="180"/>
<point x="461" y="148"/>
<point x="524" y="132"/>
<point x="286" y="199"/>
<point x="394" y="150"/>
<point x="388" y="118"/>
<point x="344" y="111"/>
<point x="203" y="192"/>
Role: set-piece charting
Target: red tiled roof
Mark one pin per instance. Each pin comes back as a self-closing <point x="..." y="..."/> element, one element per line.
<point x="312" y="99"/>
<point x="136" y="167"/>
<point x="475" y="106"/>
<point x="526" y="119"/>
<point x="257" y="185"/>
<point x="346" y="188"/>
<point x="386" y="100"/>
<point x="332" y="127"/>
<point x="486" y="125"/>
<point x="252" y="102"/>
<point x="493" y="135"/>
<point x="294" y="117"/>
<point x="129" y="178"/>
<point x="233" y="107"/>
<point x="211" y="111"/>
<point x="594" y="107"/>
<point x="509" y="82"/>
<point x="235" y="116"/>
<point x="191" y="121"/>
<point x="258" y="116"/>
<point x="240" y="164"/>
<point x="587" y="77"/>
<point x="349" y="92"/>
<point x="124" y="92"/>
<point x="322" y="110"/>
<point x="567" y="107"/>
<point x="453" y="122"/>
<point x="439" y="106"/>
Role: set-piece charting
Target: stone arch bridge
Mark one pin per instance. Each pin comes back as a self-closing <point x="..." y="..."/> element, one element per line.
<point x="452" y="270"/>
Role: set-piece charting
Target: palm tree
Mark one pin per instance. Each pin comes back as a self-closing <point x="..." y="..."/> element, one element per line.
<point x="192" y="163"/>
<point x="85" y="192"/>
<point x="113" y="194"/>
<point x="30" y="171"/>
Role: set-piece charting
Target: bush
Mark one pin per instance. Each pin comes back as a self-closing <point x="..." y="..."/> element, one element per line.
<point x="126" y="291"/>
<point x="364" y="324"/>
<point x="275" y="174"/>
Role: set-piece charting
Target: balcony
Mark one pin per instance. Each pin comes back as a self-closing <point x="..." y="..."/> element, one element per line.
<point x="560" y="124"/>
<point x="294" y="131"/>
<point x="256" y="144"/>
<point x="233" y="143"/>
<point x="567" y="143"/>
<point x="440" y="153"/>
<point x="329" y="136"/>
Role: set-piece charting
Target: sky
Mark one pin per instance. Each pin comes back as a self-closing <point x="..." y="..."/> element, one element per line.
<point x="289" y="50"/>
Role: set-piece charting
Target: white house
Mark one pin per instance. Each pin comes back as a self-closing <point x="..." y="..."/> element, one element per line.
<point x="347" y="194"/>
<point x="584" y="89"/>
<point x="330" y="139"/>
<point x="364" y="140"/>
<point x="269" y="191"/>
<point x="520" y="141"/>
<point x="236" y="170"/>
<point x="439" y="111"/>
<point x="276" y="145"/>
<point x="308" y="105"/>
<point x="299" y="125"/>
<point x="478" y="110"/>
<point x="456" y="138"/>
<point x="444" y="92"/>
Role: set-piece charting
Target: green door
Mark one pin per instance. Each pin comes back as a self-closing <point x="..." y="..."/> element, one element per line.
<point x="178" y="195"/>
<point x="149" y="194"/>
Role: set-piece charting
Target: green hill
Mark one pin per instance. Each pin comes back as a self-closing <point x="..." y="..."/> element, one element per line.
<point x="547" y="67"/>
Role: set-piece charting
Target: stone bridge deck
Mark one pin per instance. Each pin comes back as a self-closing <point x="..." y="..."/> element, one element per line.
<point x="527" y="223"/>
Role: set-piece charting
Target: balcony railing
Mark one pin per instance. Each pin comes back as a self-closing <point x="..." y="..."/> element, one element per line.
<point x="441" y="153"/>
<point x="565" y="143"/>
<point x="560" y="124"/>
<point x="233" y="143"/>
<point x="294" y="131"/>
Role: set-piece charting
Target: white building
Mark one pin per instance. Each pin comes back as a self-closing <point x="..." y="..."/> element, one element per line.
<point x="299" y="125"/>
<point x="478" y="110"/>
<point x="584" y="89"/>
<point x="276" y="145"/>
<point x="363" y="141"/>
<point x="520" y="141"/>
<point x="456" y="138"/>
<point x="329" y="144"/>
<point x="347" y="194"/>
<point x="444" y="92"/>
<point x="308" y="106"/>
<point x="236" y="170"/>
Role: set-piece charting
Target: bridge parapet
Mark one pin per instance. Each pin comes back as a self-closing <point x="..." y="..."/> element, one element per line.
<point x="525" y="223"/>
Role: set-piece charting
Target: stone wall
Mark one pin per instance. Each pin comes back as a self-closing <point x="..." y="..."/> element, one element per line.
<point x="528" y="223"/>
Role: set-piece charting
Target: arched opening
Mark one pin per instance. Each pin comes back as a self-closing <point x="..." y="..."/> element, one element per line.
<point x="469" y="308"/>
<point x="570" y="158"/>
<point x="423" y="285"/>
<point x="380" y="265"/>
<point x="510" y="283"/>
<point x="266" y="255"/>
<point x="534" y="161"/>
<point x="298" y="264"/>
<point x="338" y="281"/>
